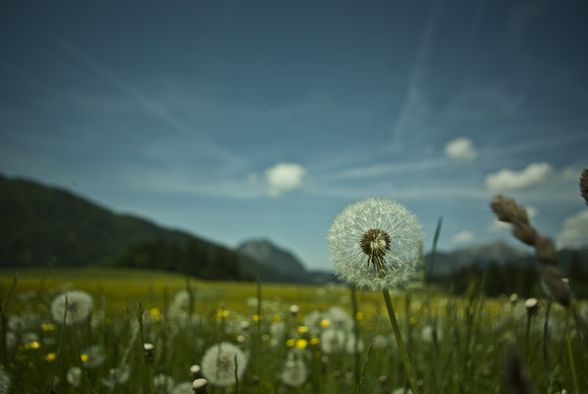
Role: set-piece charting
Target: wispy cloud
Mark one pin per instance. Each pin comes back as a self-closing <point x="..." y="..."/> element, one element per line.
<point x="151" y="106"/>
<point x="415" y="106"/>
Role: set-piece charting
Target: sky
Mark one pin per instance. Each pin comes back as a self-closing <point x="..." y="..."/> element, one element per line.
<point x="240" y="120"/>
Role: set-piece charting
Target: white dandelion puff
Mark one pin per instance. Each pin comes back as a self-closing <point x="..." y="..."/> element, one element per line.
<point x="429" y="332"/>
<point x="339" y="319"/>
<point x="218" y="364"/>
<point x="74" y="305"/>
<point x="117" y="376"/>
<point x="350" y="344"/>
<point x="93" y="356"/>
<point x="294" y="373"/>
<point x="74" y="376"/>
<point x="376" y="243"/>
<point x="5" y="381"/>
<point x="332" y="340"/>
<point x="163" y="384"/>
<point x="182" y="388"/>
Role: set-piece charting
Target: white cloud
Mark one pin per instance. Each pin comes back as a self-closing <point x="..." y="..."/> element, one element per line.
<point x="461" y="149"/>
<point x="575" y="231"/>
<point x="284" y="177"/>
<point x="506" y="179"/>
<point x="463" y="236"/>
<point x="571" y="173"/>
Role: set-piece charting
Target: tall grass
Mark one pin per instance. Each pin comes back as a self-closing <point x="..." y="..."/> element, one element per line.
<point x="457" y="344"/>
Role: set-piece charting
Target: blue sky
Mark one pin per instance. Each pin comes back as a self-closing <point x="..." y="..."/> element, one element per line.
<point x="238" y="120"/>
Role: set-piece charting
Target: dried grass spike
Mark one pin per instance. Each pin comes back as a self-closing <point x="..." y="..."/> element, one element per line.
<point x="584" y="185"/>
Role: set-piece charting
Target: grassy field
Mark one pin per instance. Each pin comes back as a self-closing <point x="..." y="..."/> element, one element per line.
<point x="457" y="345"/>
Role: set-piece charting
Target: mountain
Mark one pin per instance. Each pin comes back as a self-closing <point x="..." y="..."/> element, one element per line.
<point x="271" y="256"/>
<point x="500" y="253"/>
<point x="42" y="226"/>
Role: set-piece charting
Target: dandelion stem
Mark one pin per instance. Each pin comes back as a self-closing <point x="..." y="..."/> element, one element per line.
<point x="403" y="352"/>
<point x="356" y="334"/>
<point x="571" y="355"/>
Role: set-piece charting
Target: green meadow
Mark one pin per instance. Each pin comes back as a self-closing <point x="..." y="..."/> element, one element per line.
<point x="295" y="339"/>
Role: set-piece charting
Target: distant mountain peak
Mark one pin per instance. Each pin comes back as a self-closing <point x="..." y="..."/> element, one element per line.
<point x="267" y="253"/>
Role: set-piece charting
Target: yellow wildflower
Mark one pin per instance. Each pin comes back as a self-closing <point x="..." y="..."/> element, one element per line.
<point x="325" y="323"/>
<point x="314" y="340"/>
<point x="50" y="356"/>
<point x="302" y="329"/>
<point x="301" y="344"/>
<point x="291" y="342"/>
<point x="32" y="345"/>
<point x="47" y="327"/>
<point x="84" y="357"/>
<point x="155" y="314"/>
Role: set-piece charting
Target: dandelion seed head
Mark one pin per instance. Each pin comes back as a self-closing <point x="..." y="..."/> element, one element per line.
<point x="294" y="373"/>
<point x="74" y="376"/>
<point x="5" y="382"/>
<point x="117" y="376"/>
<point x="74" y="305"/>
<point x="218" y="364"/>
<point x="163" y="384"/>
<point x="376" y="243"/>
<point x="93" y="356"/>
<point x="182" y="388"/>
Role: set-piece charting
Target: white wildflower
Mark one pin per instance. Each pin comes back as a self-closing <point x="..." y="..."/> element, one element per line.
<point x="74" y="305"/>
<point x="376" y="243"/>
<point x="218" y="364"/>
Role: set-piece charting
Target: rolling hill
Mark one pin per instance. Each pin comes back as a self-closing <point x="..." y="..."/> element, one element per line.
<point x="49" y="226"/>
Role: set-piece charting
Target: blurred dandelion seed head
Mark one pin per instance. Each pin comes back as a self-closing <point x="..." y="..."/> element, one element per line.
<point x="218" y="364"/>
<point x="74" y="305"/>
<point x="376" y="243"/>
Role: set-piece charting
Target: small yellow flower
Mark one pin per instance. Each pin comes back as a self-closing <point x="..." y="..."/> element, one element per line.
<point x="301" y="344"/>
<point x="47" y="327"/>
<point x="257" y="318"/>
<point x="276" y="318"/>
<point x="302" y="329"/>
<point x="291" y="342"/>
<point x="84" y="357"/>
<point x="50" y="356"/>
<point x="155" y="314"/>
<point x="413" y="321"/>
<point x="314" y="340"/>
<point x="325" y="323"/>
<point x="222" y="314"/>
<point x="359" y="316"/>
<point x="32" y="345"/>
